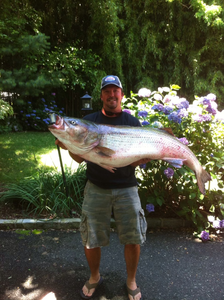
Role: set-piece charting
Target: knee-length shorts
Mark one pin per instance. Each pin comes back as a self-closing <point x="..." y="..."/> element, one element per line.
<point x="96" y="216"/>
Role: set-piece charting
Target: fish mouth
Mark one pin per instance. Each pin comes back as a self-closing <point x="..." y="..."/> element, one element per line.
<point x="59" y="123"/>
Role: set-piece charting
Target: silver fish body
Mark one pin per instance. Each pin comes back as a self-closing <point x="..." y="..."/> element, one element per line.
<point x="113" y="147"/>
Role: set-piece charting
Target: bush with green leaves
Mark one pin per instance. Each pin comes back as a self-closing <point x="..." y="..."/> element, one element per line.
<point x="45" y="193"/>
<point x="199" y="125"/>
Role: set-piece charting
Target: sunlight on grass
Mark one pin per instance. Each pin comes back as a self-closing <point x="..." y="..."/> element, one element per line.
<point x="51" y="159"/>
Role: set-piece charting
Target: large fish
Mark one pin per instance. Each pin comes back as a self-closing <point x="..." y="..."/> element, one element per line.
<point x="113" y="147"/>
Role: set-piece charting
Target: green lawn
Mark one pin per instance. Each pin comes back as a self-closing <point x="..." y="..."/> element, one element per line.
<point x="22" y="154"/>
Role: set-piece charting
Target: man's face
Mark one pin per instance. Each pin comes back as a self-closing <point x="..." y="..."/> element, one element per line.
<point x="111" y="96"/>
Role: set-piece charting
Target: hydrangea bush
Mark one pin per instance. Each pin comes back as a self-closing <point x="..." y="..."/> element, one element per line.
<point x="34" y="115"/>
<point x="200" y="126"/>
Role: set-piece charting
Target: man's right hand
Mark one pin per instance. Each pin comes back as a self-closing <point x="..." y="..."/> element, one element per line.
<point x="60" y="144"/>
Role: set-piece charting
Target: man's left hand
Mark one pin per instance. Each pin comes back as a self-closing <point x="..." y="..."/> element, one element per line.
<point x="140" y="162"/>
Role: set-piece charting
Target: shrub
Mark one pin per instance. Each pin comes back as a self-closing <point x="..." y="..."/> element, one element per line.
<point x="45" y="192"/>
<point x="200" y="125"/>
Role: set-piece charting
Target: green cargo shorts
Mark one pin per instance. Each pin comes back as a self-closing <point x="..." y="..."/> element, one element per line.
<point x="96" y="216"/>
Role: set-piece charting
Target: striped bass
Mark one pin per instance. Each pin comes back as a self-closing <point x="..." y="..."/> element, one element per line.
<point x="113" y="147"/>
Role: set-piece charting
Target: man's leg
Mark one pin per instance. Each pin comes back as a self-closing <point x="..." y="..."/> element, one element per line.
<point x="93" y="258"/>
<point x="132" y="254"/>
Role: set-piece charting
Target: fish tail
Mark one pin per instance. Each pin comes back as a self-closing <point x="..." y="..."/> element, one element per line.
<point x="202" y="177"/>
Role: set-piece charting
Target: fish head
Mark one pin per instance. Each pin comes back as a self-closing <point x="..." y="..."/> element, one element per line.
<point x="75" y="133"/>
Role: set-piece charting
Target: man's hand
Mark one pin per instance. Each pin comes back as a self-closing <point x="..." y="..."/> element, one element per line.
<point x="140" y="162"/>
<point x="60" y="144"/>
<point x="77" y="158"/>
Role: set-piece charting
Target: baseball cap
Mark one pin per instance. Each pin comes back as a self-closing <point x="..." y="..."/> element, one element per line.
<point x="111" y="79"/>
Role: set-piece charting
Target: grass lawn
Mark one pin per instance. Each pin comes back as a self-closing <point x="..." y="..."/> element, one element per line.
<point x="22" y="154"/>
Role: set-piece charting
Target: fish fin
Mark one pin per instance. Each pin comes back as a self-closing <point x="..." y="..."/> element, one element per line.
<point x="103" y="151"/>
<point x="202" y="177"/>
<point x="108" y="168"/>
<point x="175" y="162"/>
<point x="167" y="130"/>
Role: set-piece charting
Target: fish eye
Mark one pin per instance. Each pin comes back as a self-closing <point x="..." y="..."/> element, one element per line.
<point x="73" y="122"/>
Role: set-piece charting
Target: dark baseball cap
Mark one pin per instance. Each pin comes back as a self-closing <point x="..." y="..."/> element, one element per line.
<point x="111" y="79"/>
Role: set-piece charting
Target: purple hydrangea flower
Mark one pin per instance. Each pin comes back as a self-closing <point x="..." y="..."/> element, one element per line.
<point x="204" y="236"/>
<point x="174" y="117"/>
<point x="222" y="224"/>
<point x="182" y="113"/>
<point x="169" y="172"/>
<point x="207" y="118"/>
<point x="158" y="107"/>
<point x="184" y="141"/>
<point x="127" y="111"/>
<point x="198" y="118"/>
<point x="142" y="113"/>
<point x="53" y="94"/>
<point x="150" y="207"/>
<point x="211" y="110"/>
<point x="167" y="110"/>
<point x="145" y="123"/>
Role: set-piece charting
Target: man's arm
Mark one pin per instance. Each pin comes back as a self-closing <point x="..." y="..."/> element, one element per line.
<point x="77" y="158"/>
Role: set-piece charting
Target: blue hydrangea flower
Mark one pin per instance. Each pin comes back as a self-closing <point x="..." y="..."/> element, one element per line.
<point x="167" y="110"/>
<point x="28" y="115"/>
<point x="183" y="103"/>
<point x="21" y="111"/>
<point x="169" y="172"/>
<point x="38" y="118"/>
<point x="33" y="115"/>
<point x="142" y="113"/>
<point x="145" y="123"/>
<point x="142" y="166"/>
<point x="204" y="236"/>
<point x="174" y="117"/>
<point x="150" y="207"/>
<point x="43" y="99"/>
<point x="29" y="102"/>
<point x="158" y="107"/>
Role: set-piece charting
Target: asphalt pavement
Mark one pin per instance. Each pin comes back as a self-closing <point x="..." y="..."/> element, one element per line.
<point x="173" y="266"/>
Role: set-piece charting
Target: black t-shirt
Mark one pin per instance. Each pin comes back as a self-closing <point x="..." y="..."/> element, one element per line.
<point x="122" y="177"/>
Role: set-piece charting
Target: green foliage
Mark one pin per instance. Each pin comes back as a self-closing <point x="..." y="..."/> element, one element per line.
<point x="201" y="126"/>
<point x="45" y="192"/>
<point x="5" y="109"/>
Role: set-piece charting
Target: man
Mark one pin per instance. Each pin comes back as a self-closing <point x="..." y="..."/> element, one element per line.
<point x="105" y="191"/>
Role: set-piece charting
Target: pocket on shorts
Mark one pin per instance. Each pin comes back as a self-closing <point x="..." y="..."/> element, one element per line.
<point x="83" y="228"/>
<point x="143" y="222"/>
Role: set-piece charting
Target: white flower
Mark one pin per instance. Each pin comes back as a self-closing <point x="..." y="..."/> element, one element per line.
<point x="144" y="92"/>
<point x="211" y="97"/>
<point x="158" y="97"/>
